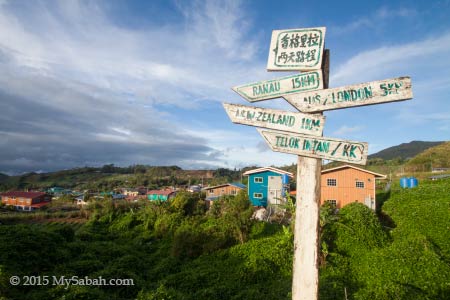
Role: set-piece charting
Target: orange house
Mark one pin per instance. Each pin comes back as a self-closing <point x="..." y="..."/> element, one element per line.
<point x="26" y="200"/>
<point x="214" y="192"/>
<point x="347" y="184"/>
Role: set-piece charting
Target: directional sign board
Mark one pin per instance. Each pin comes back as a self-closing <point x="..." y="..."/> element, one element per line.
<point x="296" y="49"/>
<point x="311" y="124"/>
<point x="317" y="147"/>
<point x="278" y="87"/>
<point x="375" y="92"/>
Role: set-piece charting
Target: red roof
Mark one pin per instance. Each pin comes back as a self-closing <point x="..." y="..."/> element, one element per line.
<point x="23" y="194"/>
<point x="160" y="192"/>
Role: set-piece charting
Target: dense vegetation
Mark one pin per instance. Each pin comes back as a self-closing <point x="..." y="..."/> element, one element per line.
<point x="180" y="250"/>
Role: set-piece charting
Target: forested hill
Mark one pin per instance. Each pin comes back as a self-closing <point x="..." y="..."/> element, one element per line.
<point x="109" y="177"/>
<point x="3" y="177"/>
<point x="438" y="157"/>
<point x="405" y="150"/>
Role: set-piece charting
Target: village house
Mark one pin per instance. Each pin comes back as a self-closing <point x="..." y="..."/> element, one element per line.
<point x="440" y="170"/>
<point x="26" y="201"/>
<point x="347" y="184"/>
<point x="214" y="192"/>
<point x="267" y="185"/>
<point x="130" y="192"/>
<point x="194" y="189"/>
<point x="161" y="195"/>
<point x="80" y="201"/>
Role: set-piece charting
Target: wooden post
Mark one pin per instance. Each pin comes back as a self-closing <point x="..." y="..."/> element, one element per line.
<point x="305" y="273"/>
<point x="305" y="279"/>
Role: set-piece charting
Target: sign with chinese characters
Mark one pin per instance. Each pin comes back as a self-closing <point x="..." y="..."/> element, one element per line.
<point x="278" y="87"/>
<point x="311" y="124"/>
<point x="296" y="49"/>
<point x="375" y="92"/>
<point x="316" y="147"/>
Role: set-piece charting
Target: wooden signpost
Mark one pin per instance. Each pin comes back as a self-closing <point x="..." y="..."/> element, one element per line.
<point x="278" y="87"/>
<point x="375" y="92"/>
<point x="301" y="133"/>
<point x="296" y="49"/>
<point x="317" y="147"/>
<point x="311" y="124"/>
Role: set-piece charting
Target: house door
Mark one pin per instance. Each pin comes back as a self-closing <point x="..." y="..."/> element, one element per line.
<point x="369" y="202"/>
<point x="274" y="190"/>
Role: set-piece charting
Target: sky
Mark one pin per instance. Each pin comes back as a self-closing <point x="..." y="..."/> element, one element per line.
<point x="88" y="83"/>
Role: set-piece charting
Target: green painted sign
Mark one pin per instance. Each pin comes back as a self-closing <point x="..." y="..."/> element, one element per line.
<point x="316" y="147"/>
<point x="374" y="92"/>
<point x="278" y="87"/>
<point x="311" y="124"/>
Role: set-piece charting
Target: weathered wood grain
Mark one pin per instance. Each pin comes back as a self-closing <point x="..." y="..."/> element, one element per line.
<point x="317" y="147"/>
<point x="305" y="277"/>
<point x="369" y="93"/>
<point x="310" y="124"/>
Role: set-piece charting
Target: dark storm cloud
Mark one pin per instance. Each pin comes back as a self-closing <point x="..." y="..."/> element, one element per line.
<point x="41" y="132"/>
<point x="77" y="88"/>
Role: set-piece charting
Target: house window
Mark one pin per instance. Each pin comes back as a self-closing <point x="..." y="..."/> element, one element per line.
<point x="257" y="195"/>
<point x="233" y="192"/>
<point x="359" y="184"/>
<point x="258" y="179"/>
<point x="211" y="191"/>
<point x="331" y="182"/>
<point x="332" y="202"/>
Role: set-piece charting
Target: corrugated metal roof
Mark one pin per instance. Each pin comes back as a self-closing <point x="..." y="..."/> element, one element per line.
<point x="23" y="194"/>
<point x="439" y="176"/>
<point x="265" y="169"/>
<point x="239" y="185"/>
<point x="353" y="167"/>
<point x="236" y="184"/>
<point x="160" y="192"/>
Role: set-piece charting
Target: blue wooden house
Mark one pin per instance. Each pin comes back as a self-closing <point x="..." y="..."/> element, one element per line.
<point x="267" y="185"/>
<point x="161" y="195"/>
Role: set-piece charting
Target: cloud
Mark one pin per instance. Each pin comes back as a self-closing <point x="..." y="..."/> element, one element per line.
<point x="374" y="20"/>
<point x="219" y="25"/>
<point x="345" y="130"/>
<point x="377" y="63"/>
<point x="263" y="147"/>
<point x="77" y="89"/>
<point x="438" y="119"/>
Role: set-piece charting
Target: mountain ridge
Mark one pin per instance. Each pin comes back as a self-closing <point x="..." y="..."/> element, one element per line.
<point x="405" y="150"/>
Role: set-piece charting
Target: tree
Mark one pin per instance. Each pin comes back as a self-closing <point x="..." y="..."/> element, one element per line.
<point x="237" y="212"/>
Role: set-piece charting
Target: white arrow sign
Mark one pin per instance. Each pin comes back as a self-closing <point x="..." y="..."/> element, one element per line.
<point x="278" y="87"/>
<point x="311" y="124"/>
<point x="317" y="147"/>
<point x="375" y="92"/>
<point x="296" y="49"/>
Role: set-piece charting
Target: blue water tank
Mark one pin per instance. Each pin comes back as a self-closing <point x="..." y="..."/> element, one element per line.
<point x="404" y="182"/>
<point x="412" y="182"/>
<point x="285" y="179"/>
